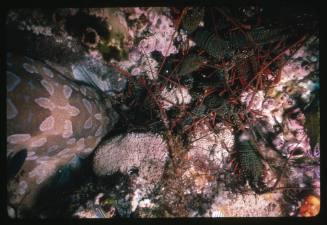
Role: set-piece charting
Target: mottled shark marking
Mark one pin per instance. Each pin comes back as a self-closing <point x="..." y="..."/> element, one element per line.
<point x="50" y="117"/>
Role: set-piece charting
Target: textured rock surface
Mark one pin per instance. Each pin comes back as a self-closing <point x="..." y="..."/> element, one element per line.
<point x="192" y="187"/>
<point x="121" y="154"/>
<point x="53" y="119"/>
<point x="199" y="95"/>
<point x="212" y="149"/>
<point x="175" y="96"/>
<point x="144" y="154"/>
<point x="246" y="205"/>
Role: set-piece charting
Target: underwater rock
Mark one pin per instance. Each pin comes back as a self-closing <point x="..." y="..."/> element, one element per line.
<point x="214" y="146"/>
<point x="253" y="102"/>
<point x="295" y="68"/>
<point x="150" y="66"/>
<point x="139" y="155"/>
<point x="190" y="189"/>
<point x="296" y="86"/>
<point x="51" y="117"/>
<point x="160" y="33"/>
<point x="152" y="32"/>
<point x="175" y="96"/>
<point x="51" y="48"/>
<point x="40" y="38"/>
<point x="210" y="148"/>
<point x="247" y="205"/>
<point x="197" y="66"/>
<point x="94" y="209"/>
<point x="119" y="36"/>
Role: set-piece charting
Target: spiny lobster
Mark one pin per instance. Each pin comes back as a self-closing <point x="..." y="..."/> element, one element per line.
<point x="251" y="166"/>
<point x="226" y="44"/>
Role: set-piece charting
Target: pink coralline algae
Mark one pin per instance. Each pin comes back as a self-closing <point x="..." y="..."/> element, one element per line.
<point x="160" y="31"/>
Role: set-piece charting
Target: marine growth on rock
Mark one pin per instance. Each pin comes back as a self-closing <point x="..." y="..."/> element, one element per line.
<point x="156" y="112"/>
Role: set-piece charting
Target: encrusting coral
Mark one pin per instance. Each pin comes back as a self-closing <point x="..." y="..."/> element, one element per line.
<point x="142" y="153"/>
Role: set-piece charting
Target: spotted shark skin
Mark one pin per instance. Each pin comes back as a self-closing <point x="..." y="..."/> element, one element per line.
<point x="53" y="118"/>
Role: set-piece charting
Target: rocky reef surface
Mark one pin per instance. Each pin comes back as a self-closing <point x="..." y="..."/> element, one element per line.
<point x="152" y="112"/>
